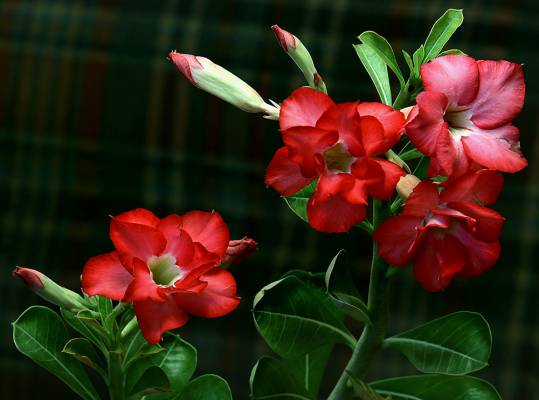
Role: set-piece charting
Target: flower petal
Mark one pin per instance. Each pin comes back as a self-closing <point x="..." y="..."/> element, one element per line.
<point x="154" y="319"/>
<point x="450" y="158"/>
<point x="391" y="174"/>
<point x="142" y="287"/>
<point x="139" y="216"/>
<point x="456" y="76"/>
<point x="179" y="243"/>
<point x="208" y="229"/>
<point x="303" y="108"/>
<point x="372" y="135"/>
<point x="344" y="119"/>
<point x="392" y="120"/>
<point x="424" y="198"/>
<point x="217" y="299"/>
<point x="397" y="238"/>
<point x="106" y="276"/>
<point x="136" y="240"/>
<point x="476" y="186"/>
<point x="488" y="223"/>
<point x="497" y="149"/>
<point x="501" y="94"/>
<point x="284" y="175"/>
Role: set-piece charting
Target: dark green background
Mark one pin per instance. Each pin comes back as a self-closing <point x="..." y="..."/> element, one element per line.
<point x="95" y="121"/>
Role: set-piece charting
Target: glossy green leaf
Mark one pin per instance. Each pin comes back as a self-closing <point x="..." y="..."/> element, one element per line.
<point x="206" y="387"/>
<point x="408" y="60"/>
<point x="377" y="70"/>
<point x="452" y="51"/>
<point x="273" y="379"/>
<point x="436" y="387"/>
<point x="153" y="384"/>
<point x="418" y="57"/>
<point x="295" y="319"/>
<point x="384" y="50"/>
<point x="298" y="201"/>
<point x="137" y="347"/>
<point x="84" y="351"/>
<point x="441" y="32"/>
<point x="89" y="328"/>
<point x="40" y="335"/>
<point x="455" y="344"/>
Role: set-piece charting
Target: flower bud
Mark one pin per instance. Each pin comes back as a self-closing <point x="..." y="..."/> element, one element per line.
<point x="216" y="80"/>
<point x="46" y="288"/>
<point x="406" y="185"/>
<point x="300" y="55"/>
<point x="239" y="250"/>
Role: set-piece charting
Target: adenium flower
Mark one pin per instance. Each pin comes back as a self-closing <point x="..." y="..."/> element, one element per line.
<point x="169" y="269"/>
<point x="463" y="118"/>
<point x="336" y="144"/>
<point x="446" y="234"/>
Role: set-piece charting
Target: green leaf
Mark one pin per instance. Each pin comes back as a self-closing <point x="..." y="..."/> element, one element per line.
<point x="452" y="51"/>
<point x="455" y="344"/>
<point x="89" y="328"/>
<point x="441" y="32"/>
<point x="83" y="350"/>
<point x="377" y="70"/>
<point x="436" y="387"/>
<point x="298" y="201"/>
<point x="40" y="334"/>
<point x="364" y="391"/>
<point x="408" y="60"/>
<point x="382" y="47"/>
<point x="340" y="287"/>
<point x="273" y="379"/>
<point x="411" y="155"/>
<point x="295" y="319"/>
<point x="418" y="56"/>
<point x="152" y="385"/>
<point x="137" y="347"/>
<point x="206" y="387"/>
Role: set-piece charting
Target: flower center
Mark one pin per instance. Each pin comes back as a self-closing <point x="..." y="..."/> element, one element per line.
<point x="459" y="121"/>
<point x="338" y="159"/>
<point x="164" y="270"/>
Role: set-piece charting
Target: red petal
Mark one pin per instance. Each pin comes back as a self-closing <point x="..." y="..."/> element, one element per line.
<point x="391" y="174"/>
<point x="208" y="229"/>
<point x="392" y="120"/>
<point x="142" y="287"/>
<point x="488" y="223"/>
<point x="179" y="243"/>
<point x="284" y="175"/>
<point x="483" y="186"/>
<point x="217" y="299"/>
<point x="303" y="108"/>
<point x="501" y="94"/>
<point x="424" y="198"/>
<point x="495" y="148"/>
<point x="456" y="76"/>
<point x="305" y="143"/>
<point x="397" y="238"/>
<point x="344" y="119"/>
<point x="136" y="240"/>
<point x="450" y="158"/>
<point x="139" y="216"/>
<point x="426" y="121"/>
<point x="154" y="319"/>
<point x="372" y="134"/>
<point x="106" y="276"/>
<point x="338" y="203"/>
<point x="437" y="262"/>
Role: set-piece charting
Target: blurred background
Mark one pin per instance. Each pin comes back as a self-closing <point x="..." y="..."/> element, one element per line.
<point x="95" y="121"/>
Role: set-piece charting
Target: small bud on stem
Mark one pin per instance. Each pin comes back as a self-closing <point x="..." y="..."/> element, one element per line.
<point x="406" y="185"/>
<point x="238" y="250"/>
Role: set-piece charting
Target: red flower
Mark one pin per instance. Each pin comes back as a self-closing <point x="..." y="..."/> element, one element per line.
<point x="168" y="268"/>
<point x="463" y="118"/>
<point x="446" y="234"/>
<point x="336" y="144"/>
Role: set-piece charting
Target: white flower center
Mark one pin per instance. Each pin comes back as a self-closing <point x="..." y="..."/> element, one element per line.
<point x="164" y="270"/>
<point x="459" y="121"/>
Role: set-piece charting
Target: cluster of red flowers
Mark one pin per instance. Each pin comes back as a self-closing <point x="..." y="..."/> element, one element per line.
<point x="462" y="122"/>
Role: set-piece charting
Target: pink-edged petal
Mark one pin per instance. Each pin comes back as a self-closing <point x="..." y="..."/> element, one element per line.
<point x="426" y="121"/>
<point x="482" y="186"/>
<point x="450" y="158"/>
<point x="142" y="287"/>
<point x="457" y="76"/>
<point x="397" y="239"/>
<point x="344" y="119"/>
<point x="106" y="276"/>
<point x="303" y="108"/>
<point x="391" y="174"/>
<point x="488" y="223"/>
<point x="154" y="319"/>
<point x="501" y="94"/>
<point x="437" y="261"/>
<point x="217" y="299"/>
<point x="284" y="175"/>
<point x="136" y="240"/>
<point x="338" y="203"/>
<point x="497" y="149"/>
<point x="139" y="216"/>
<point x="208" y="229"/>
<point x="424" y="198"/>
<point x="392" y="120"/>
<point x="305" y="143"/>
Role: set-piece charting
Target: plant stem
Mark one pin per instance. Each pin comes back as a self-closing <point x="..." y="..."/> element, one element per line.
<point x="116" y="377"/>
<point x="132" y="324"/>
<point x="371" y="340"/>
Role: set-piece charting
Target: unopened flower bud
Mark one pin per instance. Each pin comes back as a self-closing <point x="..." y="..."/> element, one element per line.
<point x="46" y="288"/>
<point x="300" y="55"/>
<point x="406" y="185"/>
<point x="216" y="80"/>
<point x="406" y="111"/>
<point x="239" y="250"/>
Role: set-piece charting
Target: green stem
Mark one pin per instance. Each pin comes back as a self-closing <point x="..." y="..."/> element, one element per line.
<point x="116" y="378"/>
<point x="372" y="338"/>
<point x="132" y="324"/>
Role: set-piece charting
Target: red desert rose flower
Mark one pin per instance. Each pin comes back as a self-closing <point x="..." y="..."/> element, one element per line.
<point x="446" y="234"/>
<point x="335" y="143"/>
<point x="463" y="118"/>
<point x="169" y="269"/>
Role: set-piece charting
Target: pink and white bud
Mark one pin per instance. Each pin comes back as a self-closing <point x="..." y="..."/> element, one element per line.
<point x="239" y="250"/>
<point x="406" y="185"/>
<point x="287" y="40"/>
<point x="214" y="79"/>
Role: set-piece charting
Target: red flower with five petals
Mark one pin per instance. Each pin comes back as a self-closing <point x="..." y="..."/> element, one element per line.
<point x="463" y="118"/>
<point x="446" y="234"/>
<point x="168" y="268"/>
<point x="335" y="143"/>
